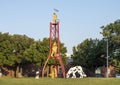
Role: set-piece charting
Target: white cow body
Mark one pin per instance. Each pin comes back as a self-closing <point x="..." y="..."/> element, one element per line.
<point x="75" y="70"/>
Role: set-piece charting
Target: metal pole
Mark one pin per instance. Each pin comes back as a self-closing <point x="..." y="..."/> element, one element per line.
<point x="107" y="59"/>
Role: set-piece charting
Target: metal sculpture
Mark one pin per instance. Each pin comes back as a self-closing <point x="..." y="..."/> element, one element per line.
<point x="54" y="48"/>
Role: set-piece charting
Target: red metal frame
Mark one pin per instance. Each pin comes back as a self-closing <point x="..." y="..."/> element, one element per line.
<point x="54" y="36"/>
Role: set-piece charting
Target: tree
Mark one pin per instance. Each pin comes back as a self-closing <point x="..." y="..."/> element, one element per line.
<point x="20" y="44"/>
<point x="6" y="50"/>
<point x="12" y="48"/>
<point x="112" y="32"/>
<point x="89" y="54"/>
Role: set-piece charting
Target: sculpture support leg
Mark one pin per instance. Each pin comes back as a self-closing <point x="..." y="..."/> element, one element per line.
<point x="45" y="66"/>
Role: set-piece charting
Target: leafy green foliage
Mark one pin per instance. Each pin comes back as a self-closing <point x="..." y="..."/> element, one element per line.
<point x="89" y="54"/>
<point x="112" y="32"/>
<point x="12" y="48"/>
<point x="6" y="50"/>
<point x="37" y="53"/>
<point x="20" y="44"/>
<point x="17" y="50"/>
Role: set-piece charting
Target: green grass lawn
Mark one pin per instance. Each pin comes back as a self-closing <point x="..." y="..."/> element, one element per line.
<point x="59" y="81"/>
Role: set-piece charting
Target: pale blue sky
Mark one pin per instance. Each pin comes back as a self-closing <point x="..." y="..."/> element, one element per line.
<point x="79" y="19"/>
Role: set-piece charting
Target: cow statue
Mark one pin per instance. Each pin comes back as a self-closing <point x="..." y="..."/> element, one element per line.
<point x="75" y="72"/>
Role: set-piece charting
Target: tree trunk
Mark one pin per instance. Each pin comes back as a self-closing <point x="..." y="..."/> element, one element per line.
<point x="12" y="72"/>
<point x="17" y="71"/>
